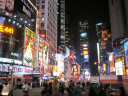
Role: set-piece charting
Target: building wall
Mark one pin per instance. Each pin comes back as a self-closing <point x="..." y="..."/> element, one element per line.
<point x="50" y="19"/>
<point x="83" y="33"/>
<point x="126" y="14"/>
<point x="116" y="18"/>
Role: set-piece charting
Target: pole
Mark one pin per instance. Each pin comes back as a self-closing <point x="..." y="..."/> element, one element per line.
<point x="11" y="69"/>
<point x="11" y="50"/>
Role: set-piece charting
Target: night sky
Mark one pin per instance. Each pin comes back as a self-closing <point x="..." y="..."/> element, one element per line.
<point x="92" y="10"/>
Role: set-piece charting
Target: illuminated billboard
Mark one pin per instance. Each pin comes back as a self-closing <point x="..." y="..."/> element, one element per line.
<point x="76" y="71"/>
<point x="119" y="66"/>
<point x="6" y="30"/>
<point x="29" y="48"/>
<point x="59" y="69"/>
<point x="126" y="52"/>
<point x="43" y="54"/>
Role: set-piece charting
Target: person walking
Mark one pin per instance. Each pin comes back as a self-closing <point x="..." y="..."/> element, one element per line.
<point x="6" y="91"/>
<point x="26" y="89"/>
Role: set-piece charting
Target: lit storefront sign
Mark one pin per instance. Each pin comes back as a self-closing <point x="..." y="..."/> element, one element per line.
<point x="6" y="30"/>
<point x="16" y="69"/>
<point x="4" y="67"/>
<point x="29" y="48"/>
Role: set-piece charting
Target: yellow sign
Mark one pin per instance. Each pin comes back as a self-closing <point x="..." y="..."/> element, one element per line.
<point x="6" y="29"/>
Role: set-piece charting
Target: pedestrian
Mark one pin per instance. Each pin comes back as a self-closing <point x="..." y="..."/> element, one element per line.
<point x="6" y="91"/>
<point x="61" y="89"/>
<point x="71" y="88"/>
<point x="77" y="90"/>
<point x="26" y="89"/>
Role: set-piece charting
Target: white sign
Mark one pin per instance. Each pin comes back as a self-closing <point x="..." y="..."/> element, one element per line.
<point x="119" y="68"/>
<point x="16" y="69"/>
<point x="8" y="60"/>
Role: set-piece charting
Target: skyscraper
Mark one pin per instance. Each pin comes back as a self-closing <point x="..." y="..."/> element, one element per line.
<point x="63" y="25"/>
<point x="83" y="50"/>
<point x="50" y="26"/>
<point x="47" y="30"/>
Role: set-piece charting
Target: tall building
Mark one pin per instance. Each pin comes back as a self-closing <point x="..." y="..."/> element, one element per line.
<point x="84" y="46"/>
<point x="43" y="45"/>
<point x="47" y="21"/>
<point x="61" y="23"/>
<point x="50" y="26"/>
<point x="68" y="40"/>
<point x="41" y="7"/>
<point x="18" y="43"/>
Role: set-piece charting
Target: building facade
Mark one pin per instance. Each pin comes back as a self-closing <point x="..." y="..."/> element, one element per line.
<point x="84" y="48"/>
<point x="118" y="17"/>
<point x="50" y="26"/>
<point x="61" y="23"/>
<point x="19" y="17"/>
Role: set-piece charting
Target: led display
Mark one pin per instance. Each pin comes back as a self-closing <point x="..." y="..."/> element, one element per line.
<point x="126" y="52"/>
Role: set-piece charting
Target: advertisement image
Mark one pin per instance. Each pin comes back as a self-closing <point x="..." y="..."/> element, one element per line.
<point x="43" y="55"/>
<point x="126" y="52"/>
<point x="119" y="65"/>
<point x="59" y="69"/>
<point x="29" y="48"/>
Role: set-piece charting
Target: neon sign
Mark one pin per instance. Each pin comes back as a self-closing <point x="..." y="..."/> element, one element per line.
<point x="6" y="29"/>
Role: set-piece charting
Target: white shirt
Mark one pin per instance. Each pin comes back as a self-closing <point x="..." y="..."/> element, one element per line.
<point x="5" y="90"/>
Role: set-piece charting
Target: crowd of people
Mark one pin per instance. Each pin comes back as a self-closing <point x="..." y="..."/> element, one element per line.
<point x="77" y="89"/>
<point x="59" y="88"/>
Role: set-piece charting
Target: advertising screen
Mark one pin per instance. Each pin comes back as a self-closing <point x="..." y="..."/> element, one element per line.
<point x="119" y="66"/>
<point x="29" y="48"/>
<point x="126" y="52"/>
<point x="43" y="55"/>
<point x="60" y="63"/>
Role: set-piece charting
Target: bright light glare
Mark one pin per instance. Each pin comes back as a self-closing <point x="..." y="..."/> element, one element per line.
<point x="83" y="34"/>
<point x="85" y="48"/>
<point x="99" y="24"/>
<point x="85" y="45"/>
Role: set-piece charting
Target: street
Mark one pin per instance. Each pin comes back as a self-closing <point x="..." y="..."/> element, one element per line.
<point x="33" y="92"/>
